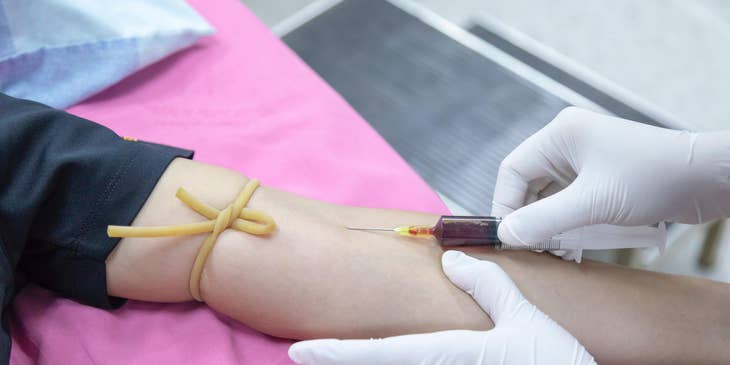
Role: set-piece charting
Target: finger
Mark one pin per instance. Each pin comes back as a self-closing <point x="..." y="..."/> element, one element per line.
<point x="545" y="218"/>
<point x="486" y="282"/>
<point x="331" y="352"/>
<point x="398" y="350"/>
<point x="509" y="191"/>
<point x="499" y="210"/>
<point x="535" y="188"/>
<point x="550" y="189"/>
<point x="567" y="255"/>
<point x="539" y="156"/>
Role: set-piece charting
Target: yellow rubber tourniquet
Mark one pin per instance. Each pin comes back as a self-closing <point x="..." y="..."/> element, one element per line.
<point x="234" y="216"/>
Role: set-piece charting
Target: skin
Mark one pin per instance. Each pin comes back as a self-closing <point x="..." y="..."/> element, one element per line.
<point x="312" y="278"/>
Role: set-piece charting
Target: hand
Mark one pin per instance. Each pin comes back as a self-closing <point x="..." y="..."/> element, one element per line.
<point x="586" y="168"/>
<point x="522" y="334"/>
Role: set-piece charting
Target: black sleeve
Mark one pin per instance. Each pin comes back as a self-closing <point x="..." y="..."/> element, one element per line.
<point x="63" y="179"/>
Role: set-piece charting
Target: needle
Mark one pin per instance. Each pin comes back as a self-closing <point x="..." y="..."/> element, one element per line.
<point x="371" y="229"/>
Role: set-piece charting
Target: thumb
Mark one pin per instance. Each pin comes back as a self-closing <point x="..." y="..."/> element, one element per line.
<point x="486" y="282"/>
<point x="398" y="350"/>
<point x="547" y="217"/>
<point x="332" y="352"/>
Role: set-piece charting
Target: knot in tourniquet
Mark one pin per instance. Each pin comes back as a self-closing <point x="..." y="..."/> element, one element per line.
<point x="235" y="216"/>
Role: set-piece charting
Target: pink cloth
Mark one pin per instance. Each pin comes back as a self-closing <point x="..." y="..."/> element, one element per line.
<point x="243" y="100"/>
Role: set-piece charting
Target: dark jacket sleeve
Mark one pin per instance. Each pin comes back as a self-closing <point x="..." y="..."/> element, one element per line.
<point x="63" y="179"/>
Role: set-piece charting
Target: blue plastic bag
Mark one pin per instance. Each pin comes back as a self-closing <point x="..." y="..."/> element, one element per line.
<point x="59" y="52"/>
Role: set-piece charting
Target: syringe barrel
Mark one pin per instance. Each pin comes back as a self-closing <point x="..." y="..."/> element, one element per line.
<point x="482" y="231"/>
<point x="467" y="231"/>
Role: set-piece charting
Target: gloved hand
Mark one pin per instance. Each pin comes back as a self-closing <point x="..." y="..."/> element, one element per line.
<point x="586" y="168"/>
<point x="522" y="334"/>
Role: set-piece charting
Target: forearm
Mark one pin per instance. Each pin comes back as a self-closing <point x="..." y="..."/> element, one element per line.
<point x="623" y="315"/>
<point x="312" y="278"/>
<point x="309" y="278"/>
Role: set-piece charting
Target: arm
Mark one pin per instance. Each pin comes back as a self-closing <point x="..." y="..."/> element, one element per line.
<point x="312" y="278"/>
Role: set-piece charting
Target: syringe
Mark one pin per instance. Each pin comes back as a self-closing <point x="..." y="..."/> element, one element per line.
<point x="482" y="231"/>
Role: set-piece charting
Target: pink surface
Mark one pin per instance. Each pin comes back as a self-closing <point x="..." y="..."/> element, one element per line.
<point x="243" y="100"/>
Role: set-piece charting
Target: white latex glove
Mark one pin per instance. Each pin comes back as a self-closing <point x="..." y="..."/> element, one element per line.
<point x="522" y="334"/>
<point x="586" y="168"/>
